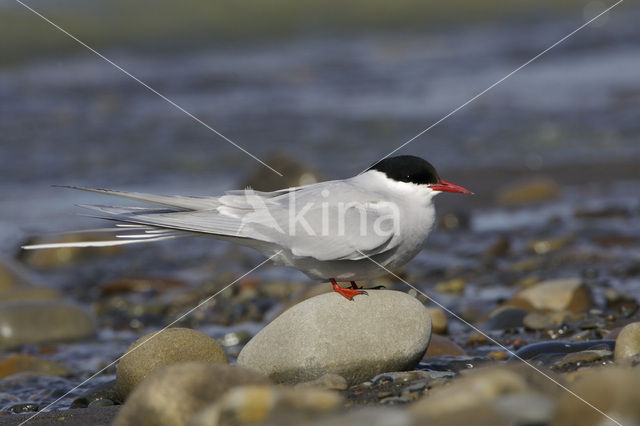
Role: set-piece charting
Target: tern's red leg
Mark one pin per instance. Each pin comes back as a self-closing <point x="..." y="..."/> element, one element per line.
<point x="348" y="293"/>
<point x="354" y="285"/>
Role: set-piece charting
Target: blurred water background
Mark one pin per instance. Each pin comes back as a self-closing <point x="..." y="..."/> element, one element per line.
<point x="334" y="86"/>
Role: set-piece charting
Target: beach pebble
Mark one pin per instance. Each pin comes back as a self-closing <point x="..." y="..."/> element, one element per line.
<point x="537" y="321"/>
<point x="382" y="331"/>
<point x="27" y="363"/>
<point x="583" y="357"/>
<point x="172" y="394"/>
<point x="268" y="404"/>
<point x="440" y="345"/>
<point x="100" y="395"/>
<point x="628" y="341"/>
<point x="612" y="389"/>
<point x="161" y="348"/>
<point x="529" y="191"/>
<point x="35" y="322"/>
<point x="439" y="322"/>
<point x="504" y="318"/>
<point x="569" y="294"/>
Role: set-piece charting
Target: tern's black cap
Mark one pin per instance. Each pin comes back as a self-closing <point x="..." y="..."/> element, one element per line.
<point x="408" y="168"/>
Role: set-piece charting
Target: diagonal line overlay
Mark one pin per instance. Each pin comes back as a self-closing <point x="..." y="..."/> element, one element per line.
<point x="494" y="341"/>
<point x="499" y="81"/>
<point x="208" y="299"/>
<point x="145" y="85"/>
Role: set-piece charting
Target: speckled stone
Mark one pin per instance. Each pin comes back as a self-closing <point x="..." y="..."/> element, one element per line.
<point x="161" y="348"/>
<point x="382" y="331"/>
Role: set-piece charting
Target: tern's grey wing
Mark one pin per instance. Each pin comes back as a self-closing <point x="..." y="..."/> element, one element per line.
<point x="177" y="201"/>
<point x="329" y="221"/>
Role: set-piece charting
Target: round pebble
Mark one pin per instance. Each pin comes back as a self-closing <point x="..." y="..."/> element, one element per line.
<point x="382" y="331"/>
<point x="439" y="322"/>
<point x="628" y="341"/>
<point x="161" y="348"/>
<point x="565" y="294"/>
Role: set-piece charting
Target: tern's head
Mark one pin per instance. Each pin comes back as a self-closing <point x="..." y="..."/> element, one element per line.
<point x="410" y="170"/>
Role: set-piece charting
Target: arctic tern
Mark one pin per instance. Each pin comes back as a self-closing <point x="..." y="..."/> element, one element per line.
<point x="331" y="230"/>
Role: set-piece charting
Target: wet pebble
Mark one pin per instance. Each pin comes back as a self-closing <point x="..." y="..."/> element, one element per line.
<point x="535" y="350"/>
<point x="103" y="392"/>
<point x="35" y="322"/>
<point x="504" y="318"/>
<point x="569" y="294"/>
<point x="27" y="363"/>
<point x="268" y="404"/>
<point x="330" y="334"/>
<point x="628" y="341"/>
<point x="26" y="407"/>
<point x="172" y="394"/>
<point x="161" y="348"/>
<point x="439" y="323"/>
<point x="440" y="345"/>
<point x="583" y="357"/>
<point x="537" y="321"/>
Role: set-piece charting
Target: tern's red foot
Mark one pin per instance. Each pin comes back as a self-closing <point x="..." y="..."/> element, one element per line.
<point x="348" y="293"/>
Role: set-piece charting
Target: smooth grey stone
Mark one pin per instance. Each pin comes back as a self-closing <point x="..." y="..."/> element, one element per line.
<point x="375" y="333"/>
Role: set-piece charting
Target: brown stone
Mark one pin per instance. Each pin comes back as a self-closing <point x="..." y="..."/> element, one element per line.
<point x="565" y="294"/>
<point x="440" y="345"/>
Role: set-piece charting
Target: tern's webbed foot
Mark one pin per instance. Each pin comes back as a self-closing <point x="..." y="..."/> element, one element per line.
<point x="348" y="293"/>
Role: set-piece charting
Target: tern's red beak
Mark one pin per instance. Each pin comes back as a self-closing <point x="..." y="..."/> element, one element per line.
<point x="445" y="186"/>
